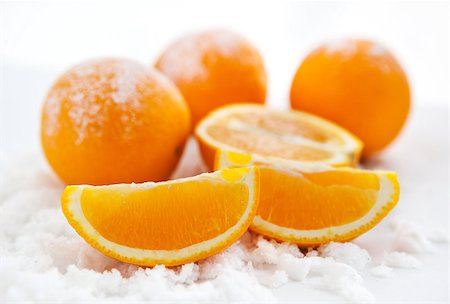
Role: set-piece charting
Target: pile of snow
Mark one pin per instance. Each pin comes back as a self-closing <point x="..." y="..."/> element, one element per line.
<point x="43" y="259"/>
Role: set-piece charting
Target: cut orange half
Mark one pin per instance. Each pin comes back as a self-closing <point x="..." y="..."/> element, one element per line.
<point x="290" y="135"/>
<point x="311" y="205"/>
<point x="170" y="223"/>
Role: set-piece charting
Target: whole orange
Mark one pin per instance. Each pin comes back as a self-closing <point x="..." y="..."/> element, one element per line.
<point x="357" y="84"/>
<point x="113" y="121"/>
<point x="214" y="68"/>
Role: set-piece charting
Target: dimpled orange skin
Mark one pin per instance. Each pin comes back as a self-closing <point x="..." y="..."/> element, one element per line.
<point x="214" y="68"/>
<point x="113" y="121"/>
<point x="357" y="84"/>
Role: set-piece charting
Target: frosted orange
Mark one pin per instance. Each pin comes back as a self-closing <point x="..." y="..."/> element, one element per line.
<point x="113" y="120"/>
<point x="214" y="68"/>
<point x="359" y="85"/>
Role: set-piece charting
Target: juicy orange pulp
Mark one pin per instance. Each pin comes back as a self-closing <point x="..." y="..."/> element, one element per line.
<point x="152" y="225"/>
<point x="287" y="135"/>
<point x="262" y="134"/>
<point x="316" y="200"/>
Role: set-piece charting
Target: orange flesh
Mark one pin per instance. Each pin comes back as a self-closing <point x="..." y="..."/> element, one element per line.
<point x="308" y="201"/>
<point x="130" y="217"/>
<point x="271" y="144"/>
<point x="285" y="124"/>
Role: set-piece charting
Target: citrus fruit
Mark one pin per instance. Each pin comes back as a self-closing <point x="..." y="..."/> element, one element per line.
<point x="291" y="135"/>
<point x="311" y="205"/>
<point x="214" y="68"/>
<point x="113" y="120"/>
<point x="170" y="223"/>
<point x="359" y="85"/>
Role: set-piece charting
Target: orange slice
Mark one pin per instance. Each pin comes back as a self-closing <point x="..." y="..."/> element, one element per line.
<point x="291" y="135"/>
<point x="170" y="223"/>
<point x="316" y="204"/>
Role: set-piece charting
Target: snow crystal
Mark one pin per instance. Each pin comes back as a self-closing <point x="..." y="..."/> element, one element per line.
<point x="411" y="238"/>
<point x="340" y="279"/>
<point x="277" y="279"/>
<point x="398" y="259"/>
<point x="438" y="237"/>
<point x="381" y="271"/>
<point x="296" y="268"/>
<point x="312" y="253"/>
<point x="347" y="253"/>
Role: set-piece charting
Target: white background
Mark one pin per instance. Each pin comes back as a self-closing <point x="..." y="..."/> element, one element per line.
<point x="39" y="40"/>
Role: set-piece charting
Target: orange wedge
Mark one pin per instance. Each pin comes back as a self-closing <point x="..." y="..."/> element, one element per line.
<point x="316" y="204"/>
<point x="291" y="135"/>
<point x="170" y="223"/>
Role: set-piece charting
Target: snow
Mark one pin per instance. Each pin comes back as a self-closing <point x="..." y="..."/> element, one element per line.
<point x="401" y="260"/>
<point x="381" y="271"/>
<point x="347" y="253"/>
<point x="412" y="238"/>
<point x="44" y="259"/>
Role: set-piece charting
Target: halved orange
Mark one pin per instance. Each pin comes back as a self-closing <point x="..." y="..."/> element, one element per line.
<point x="316" y="204"/>
<point x="170" y="223"/>
<point x="291" y="135"/>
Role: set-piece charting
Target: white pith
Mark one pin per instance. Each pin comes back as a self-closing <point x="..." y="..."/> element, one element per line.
<point x="142" y="255"/>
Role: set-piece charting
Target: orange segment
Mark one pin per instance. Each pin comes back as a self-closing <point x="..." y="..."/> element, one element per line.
<point x="302" y="203"/>
<point x="315" y="204"/>
<point x="288" y="135"/>
<point x="167" y="223"/>
<point x="152" y="217"/>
